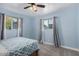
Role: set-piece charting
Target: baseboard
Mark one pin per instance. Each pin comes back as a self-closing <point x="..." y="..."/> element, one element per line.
<point x="48" y="43"/>
<point x="74" y="49"/>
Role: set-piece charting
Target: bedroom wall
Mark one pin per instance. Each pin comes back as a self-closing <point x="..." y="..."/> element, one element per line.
<point x="26" y="23"/>
<point x="78" y="25"/>
<point x="67" y="19"/>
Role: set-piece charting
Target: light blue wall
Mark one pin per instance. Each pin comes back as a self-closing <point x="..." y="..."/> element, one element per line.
<point x="33" y="28"/>
<point x="67" y="22"/>
<point x="78" y="25"/>
<point x="26" y="21"/>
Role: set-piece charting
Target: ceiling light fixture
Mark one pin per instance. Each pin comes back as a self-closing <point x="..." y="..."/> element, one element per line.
<point x="34" y="8"/>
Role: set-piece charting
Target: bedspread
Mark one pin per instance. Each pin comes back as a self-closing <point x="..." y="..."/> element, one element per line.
<point x="20" y="46"/>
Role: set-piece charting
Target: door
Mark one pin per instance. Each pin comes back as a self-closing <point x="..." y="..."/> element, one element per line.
<point x="47" y="31"/>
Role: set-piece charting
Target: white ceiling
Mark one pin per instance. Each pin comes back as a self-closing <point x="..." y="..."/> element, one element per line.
<point x="19" y="8"/>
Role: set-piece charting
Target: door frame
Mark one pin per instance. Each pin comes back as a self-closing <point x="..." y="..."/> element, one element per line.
<point x="40" y="32"/>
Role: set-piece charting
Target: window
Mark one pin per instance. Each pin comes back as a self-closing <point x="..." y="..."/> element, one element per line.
<point x="13" y="27"/>
<point x="47" y="24"/>
<point x="11" y="23"/>
<point x="8" y="23"/>
<point x="15" y="23"/>
<point x="50" y="23"/>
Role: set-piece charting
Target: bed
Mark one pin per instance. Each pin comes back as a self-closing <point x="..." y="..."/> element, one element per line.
<point x="19" y="46"/>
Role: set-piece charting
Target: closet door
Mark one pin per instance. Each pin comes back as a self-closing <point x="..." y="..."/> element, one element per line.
<point x="1" y="25"/>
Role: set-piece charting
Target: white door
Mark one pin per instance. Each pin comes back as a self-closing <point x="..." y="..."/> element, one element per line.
<point x="47" y="31"/>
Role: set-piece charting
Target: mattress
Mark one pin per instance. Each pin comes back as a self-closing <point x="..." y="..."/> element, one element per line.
<point x="19" y="46"/>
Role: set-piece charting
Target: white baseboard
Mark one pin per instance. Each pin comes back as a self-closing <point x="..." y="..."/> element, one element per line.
<point x="75" y="49"/>
<point x="48" y="43"/>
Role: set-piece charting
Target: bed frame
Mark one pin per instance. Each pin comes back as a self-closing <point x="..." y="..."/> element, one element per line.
<point x="35" y="53"/>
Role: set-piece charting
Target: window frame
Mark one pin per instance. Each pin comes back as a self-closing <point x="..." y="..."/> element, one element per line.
<point x="48" y="24"/>
<point x="12" y="21"/>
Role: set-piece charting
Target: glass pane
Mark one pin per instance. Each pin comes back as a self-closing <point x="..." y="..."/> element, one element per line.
<point x="15" y="23"/>
<point x="8" y="22"/>
<point x="45" y="24"/>
<point x="50" y="24"/>
<point x="51" y="21"/>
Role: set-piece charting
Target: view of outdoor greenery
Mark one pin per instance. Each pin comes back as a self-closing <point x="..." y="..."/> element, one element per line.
<point x="8" y="22"/>
<point x="11" y="23"/>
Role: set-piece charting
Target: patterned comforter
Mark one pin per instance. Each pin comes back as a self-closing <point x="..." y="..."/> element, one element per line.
<point x="19" y="46"/>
